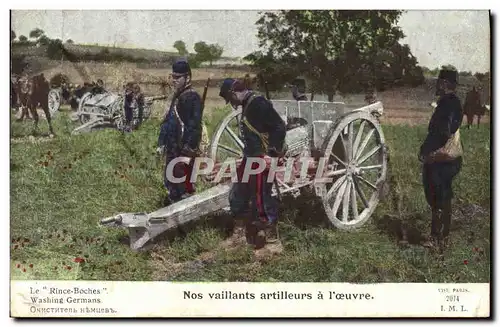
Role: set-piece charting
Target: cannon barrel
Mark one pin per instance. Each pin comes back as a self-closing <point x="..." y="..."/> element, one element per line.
<point x="144" y="227"/>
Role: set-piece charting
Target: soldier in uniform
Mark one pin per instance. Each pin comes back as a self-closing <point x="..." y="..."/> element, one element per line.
<point x="263" y="133"/>
<point x="439" y="170"/>
<point x="181" y="131"/>
<point x="299" y="89"/>
<point x="128" y="106"/>
<point x="472" y="106"/>
<point x="24" y="86"/>
<point x="139" y="101"/>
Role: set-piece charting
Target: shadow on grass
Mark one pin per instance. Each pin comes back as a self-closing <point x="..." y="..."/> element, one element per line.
<point x="401" y="230"/>
<point x="303" y="212"/>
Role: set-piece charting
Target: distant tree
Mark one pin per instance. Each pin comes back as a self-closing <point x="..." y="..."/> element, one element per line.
<point x="480" y="76"/>
<point x="36" y="33"/>
<point x="207" y="52"/>
<point x="23" y="39"/>
<point x="55" y="49"/>
<point x="70" y="41"/>
<point x="12" y="35"/>
<point x="337" y="49"/>
<point x="43" y="40"/>
<point x="449" y="67"/>
<point x="272" y="71"/>
<point x="180" y="46"/>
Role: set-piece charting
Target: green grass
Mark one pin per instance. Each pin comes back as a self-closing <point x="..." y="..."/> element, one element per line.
<point x="55" y="212"/>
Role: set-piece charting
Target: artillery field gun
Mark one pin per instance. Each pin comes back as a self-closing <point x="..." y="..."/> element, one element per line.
<point x="107" y="110"/>
<point x="344" y="144"/>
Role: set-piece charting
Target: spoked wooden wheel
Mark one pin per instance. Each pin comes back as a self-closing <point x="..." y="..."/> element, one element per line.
<point x="81" y="108"/>
<point x="356" y="148"/>
<point x="54" y="103"/>
<point x="227" y="141"/>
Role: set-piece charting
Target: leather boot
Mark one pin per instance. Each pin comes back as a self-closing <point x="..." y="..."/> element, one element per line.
<point x="238" y="236"/>
<point x="446" y="219"/>
<point x="268" y="239"/>
<point x="436" y="226"/>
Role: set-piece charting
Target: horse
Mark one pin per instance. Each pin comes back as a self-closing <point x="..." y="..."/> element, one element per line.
<point x="38" y="95"/>
<point x="473" y="107"/>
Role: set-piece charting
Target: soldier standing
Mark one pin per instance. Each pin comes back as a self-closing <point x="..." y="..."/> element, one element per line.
<point x="472" y="106"/>
<point x="181" y="131"/>
<point x="299" y="89"/>
<point x="128" y="106"/>
<point x="139" y="101"/>
<point x="263" y="133"/>
<point x="440" y="168"/>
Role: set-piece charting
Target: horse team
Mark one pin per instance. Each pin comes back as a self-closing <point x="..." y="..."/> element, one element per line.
<point x="30" y="93"/>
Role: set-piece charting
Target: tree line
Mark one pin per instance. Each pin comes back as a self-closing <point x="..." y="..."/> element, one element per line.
<point x="336" y="51"/>
<point x="203" y="52"/>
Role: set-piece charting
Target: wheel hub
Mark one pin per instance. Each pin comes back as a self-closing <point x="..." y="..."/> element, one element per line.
<point x="352" y="170"/>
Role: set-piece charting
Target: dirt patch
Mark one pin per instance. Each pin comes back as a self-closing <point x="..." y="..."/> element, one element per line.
<point x="165" y="267"/>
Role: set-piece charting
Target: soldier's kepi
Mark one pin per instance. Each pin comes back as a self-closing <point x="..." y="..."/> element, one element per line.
<point x="263" y="133"/>
<point x="439" y="168"/>
<point x="181" y="132"/>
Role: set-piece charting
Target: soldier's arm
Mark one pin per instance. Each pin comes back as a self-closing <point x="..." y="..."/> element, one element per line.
<point x="163" y="134"/>
<point x="456" y="116"/>
<point x="274" y="125"/>
<point x="447" y="121"/>
<point x="192" y="129"/>
<point x="442" y="130"/>
<point x="451" y="118"/>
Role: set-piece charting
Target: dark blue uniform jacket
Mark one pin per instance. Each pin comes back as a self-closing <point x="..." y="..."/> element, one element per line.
<point x="189" y="110"/>
<point x="445" y="121"/>
<point x="262" y="116"/>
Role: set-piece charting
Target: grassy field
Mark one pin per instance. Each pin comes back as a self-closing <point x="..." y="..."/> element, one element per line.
<point x="61" y="187"/>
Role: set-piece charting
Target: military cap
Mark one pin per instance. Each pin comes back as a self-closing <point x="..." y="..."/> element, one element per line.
<point x="226" y="88"/>
<point x="181" y="67"/>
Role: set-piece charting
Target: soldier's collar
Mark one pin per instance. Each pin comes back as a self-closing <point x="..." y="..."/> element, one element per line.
<point x="185" y="88"/>
<point x="247" y="97"/>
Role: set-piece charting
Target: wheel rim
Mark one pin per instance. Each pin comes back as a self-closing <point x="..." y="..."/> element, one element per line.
<point x="357" y="147"/>
<point x="81" y="112"/>
<point x="227" y="141"/>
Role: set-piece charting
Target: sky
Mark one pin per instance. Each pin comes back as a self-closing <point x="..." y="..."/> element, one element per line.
<point x="460" y="38"/>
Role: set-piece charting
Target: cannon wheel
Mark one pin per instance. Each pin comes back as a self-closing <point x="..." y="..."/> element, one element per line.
<point x="227" y="132"/>
<point x="54" y="101"/>
<point x="81" y="116"/>
<point x="356" y="145"/>
<point x="226" y="141"/>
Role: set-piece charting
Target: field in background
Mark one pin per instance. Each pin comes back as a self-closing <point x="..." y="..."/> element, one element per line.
<point x="62" y="187"/>
<point x="403" y="105"/>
